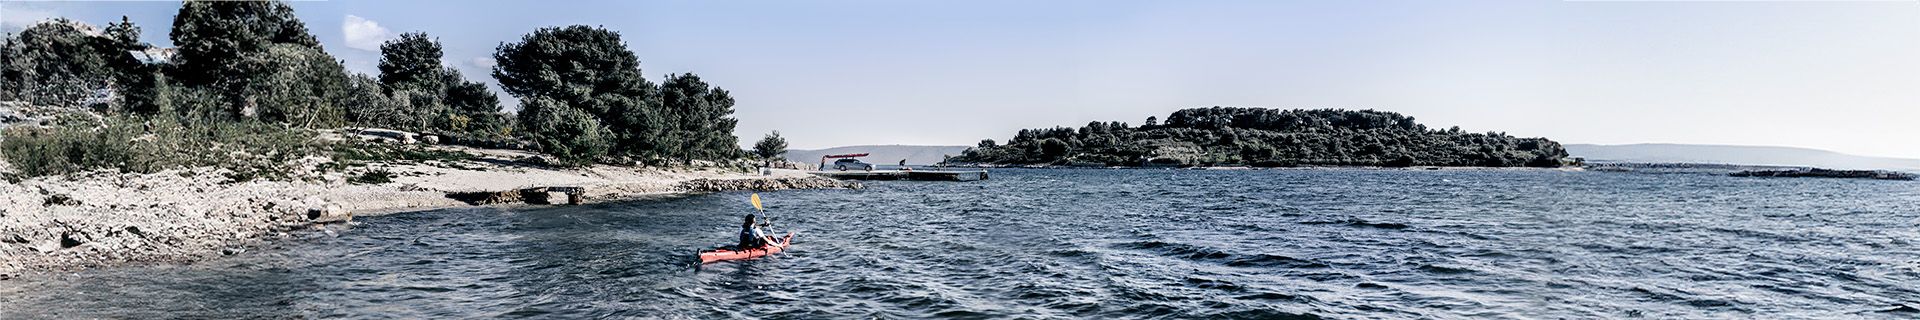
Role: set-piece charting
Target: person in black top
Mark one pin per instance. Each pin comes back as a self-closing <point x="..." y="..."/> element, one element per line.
<point x="751" y="236"/>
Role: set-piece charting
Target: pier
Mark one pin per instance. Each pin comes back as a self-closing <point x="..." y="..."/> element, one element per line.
<point x="918" y="175"/>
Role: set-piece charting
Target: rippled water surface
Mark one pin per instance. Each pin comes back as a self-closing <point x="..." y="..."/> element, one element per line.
<point x="1336" y="243"/>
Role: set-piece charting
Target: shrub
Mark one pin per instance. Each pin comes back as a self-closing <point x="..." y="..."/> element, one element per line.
<point x="372" y="177"/>
<point x="567" y="133"/>
<point x="132" y="144"/>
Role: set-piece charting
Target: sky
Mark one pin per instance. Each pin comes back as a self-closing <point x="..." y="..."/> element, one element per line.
<point x="1834" y="75"/>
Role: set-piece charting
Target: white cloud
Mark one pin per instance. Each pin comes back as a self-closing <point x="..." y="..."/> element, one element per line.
<point x="13" y="18"/>
<point x="484" y="62"/>
<point x="364" y="34"/>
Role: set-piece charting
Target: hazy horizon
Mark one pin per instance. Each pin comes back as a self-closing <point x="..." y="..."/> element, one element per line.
<point x="1836" y="76"/>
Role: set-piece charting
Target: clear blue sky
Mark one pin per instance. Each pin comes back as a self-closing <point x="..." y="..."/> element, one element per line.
<point x="1836" y="75"/>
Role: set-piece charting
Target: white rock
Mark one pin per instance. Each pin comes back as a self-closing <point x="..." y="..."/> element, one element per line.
<point x="329" y="213"/>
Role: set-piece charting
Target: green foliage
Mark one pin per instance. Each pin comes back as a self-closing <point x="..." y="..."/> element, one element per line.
<point x="367" y="105"/>
<point x="423" y="95"/>
<point x="579" y="66"/>
<point x="295" y="85"/>
<point x="1268" y="137"/>
<point x="215" y="37"/>
<point x="1053" y="148"/>
<point x="567" y="133"/>
<point x="770" y="147"/>
<point x="372" y="177"/>
<point x="590" y="69"/>
<point x="411" y="61"/>
<point x="62" y="62"/>
<point x="135" y="144"/>
<point x="248" y="80"/>
<point x="701" y="117"/>
<point x="473" y="109"/>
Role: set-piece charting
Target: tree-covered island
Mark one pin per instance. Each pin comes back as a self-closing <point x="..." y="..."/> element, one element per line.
<point x="1263" y="137"/>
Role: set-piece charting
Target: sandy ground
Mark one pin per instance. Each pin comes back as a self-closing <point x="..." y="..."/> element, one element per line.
<point x="105" y="218"/>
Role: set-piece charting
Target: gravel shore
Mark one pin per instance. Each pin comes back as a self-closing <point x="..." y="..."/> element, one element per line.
<point x="107" y="218"/>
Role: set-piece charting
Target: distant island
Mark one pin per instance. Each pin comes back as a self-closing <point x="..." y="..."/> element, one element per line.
<point x="1827" y="173"/>
<point x="1263" y="137"/>
<point x="1737" y="155"/>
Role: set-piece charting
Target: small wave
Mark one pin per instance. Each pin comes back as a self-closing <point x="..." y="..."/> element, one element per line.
<point x="1445" y="269"/>
<point x="429" y="289"/>
<point x="1205" y="283"/>
<point x="1360" y="223"/>
<point x="1070" y="253"/>
<point x="1694" y="302"/>
<point x="1277" y="296"/>
<point x="1269" y="260"/>
<point x="1200" y="253"/>
<point x="1901" y="309"/>
<point x="1263" y="314"/>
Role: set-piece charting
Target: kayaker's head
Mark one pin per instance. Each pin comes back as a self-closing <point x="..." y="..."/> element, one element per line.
<point x="749" y="223"/>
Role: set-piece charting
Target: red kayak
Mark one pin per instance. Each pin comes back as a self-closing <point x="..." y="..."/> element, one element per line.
<point x="714" y="255"/>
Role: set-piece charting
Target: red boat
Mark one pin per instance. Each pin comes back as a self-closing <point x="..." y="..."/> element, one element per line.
<point x="716" y="255"/>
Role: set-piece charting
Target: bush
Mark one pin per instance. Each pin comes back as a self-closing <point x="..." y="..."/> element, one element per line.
<point x="132" y="144"/>
<point x="39" y="151"/>
<point x="372" y="177"/>
<point x="567" y="133"/>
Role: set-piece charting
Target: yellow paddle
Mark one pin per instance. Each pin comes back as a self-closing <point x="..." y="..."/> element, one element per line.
<point x="755" y="199"/>
<point x="756" y="202"/>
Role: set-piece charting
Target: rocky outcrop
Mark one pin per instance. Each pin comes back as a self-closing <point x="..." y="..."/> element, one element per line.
<point x="766" y="184"/>
<point x="103" y="219"/>
<point x="487" y="197"/>
<point x="1826" y="173"/>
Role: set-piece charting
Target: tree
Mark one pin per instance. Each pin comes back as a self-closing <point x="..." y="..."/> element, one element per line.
<point x="295" y="85"/>
<point x="434" y="97"/>
<point x="1053" y="148"/>
<point x="366" y="105"/>
<point x="576" y="65"/>
<point x="985" y="143"/>
<point x="701" y="118"/>
<point x="586" y="68"/>
<point x="770" y="147"/>
<point x="1401" y="161"/>
<point x="474" y="108"/>
<point x="411" y="74"/>
<point x="59" y="62"/>
<point x="567" y="133"/>
<point x="214" y="37"/>
<point x="411" y="61"/>
<point x="1152" y="121"/>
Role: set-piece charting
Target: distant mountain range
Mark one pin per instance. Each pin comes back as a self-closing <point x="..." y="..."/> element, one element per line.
<point x="1746" y="155"/>
<point x="882" y="154"/>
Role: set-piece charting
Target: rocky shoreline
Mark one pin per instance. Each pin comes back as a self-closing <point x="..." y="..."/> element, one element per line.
<point x="1826" y="173"/>
<point x="105" y="219"/>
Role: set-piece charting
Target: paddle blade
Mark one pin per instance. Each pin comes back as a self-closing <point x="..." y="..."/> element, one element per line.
<point x="756" y="202"/>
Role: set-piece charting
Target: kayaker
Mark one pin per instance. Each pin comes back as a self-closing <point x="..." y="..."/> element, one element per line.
<point x="751" y="236"/>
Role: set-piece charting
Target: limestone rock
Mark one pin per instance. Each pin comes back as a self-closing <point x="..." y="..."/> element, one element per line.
<point x="329" y="213"/>
<point x="550" y="197"/>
